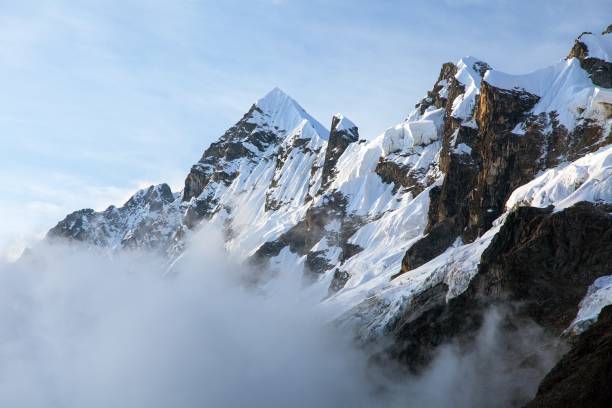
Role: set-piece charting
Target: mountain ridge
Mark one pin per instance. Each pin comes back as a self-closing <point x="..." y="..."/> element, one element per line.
<point x="397" y="232"/>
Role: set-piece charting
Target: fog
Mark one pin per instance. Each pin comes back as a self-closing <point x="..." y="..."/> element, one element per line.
<point x="81" y="329"/>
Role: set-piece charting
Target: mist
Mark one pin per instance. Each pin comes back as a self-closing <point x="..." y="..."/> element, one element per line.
<point x="79" y="328"/>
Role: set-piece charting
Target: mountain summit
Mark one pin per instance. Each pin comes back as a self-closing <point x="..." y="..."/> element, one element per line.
<point x="281" y="111"/>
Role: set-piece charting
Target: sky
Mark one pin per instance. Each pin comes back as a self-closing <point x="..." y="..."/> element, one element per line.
<point x="100" y="98"/>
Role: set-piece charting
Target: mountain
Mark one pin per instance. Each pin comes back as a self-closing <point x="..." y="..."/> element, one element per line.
<point x="495" y="191"/>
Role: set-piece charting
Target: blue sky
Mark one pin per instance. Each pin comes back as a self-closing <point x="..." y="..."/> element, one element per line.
<point x="102" y="97"/>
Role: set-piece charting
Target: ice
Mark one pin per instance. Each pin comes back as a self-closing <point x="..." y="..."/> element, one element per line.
<point x="598" y="45"/>
<point x="564" y="88"/>
<point x="598" y="296"/>
<point x="586" y="179"/>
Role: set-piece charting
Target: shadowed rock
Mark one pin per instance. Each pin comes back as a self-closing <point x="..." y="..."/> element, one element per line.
<point x="583" y="376"/>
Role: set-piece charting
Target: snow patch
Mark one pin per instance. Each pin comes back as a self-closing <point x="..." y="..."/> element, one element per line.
<point x="586" y="179"/>
<point x="564" y="88"/>
<point x="598" y="296"/>
<point x="598" y="45"/>
<point x="463" y="105"/>
<point x="343" y="122"/>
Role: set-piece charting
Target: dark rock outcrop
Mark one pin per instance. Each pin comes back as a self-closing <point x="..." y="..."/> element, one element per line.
<point x="439" y="238"/>
<point x="303" y="236"/>
<point x="599" y="70"/>
<point x="546" y="261"/>
<point x="73" y="227"/>
<point x="477" y="184"/>
<point x="340" y="137"/>
<point x="445" y="78"/>
<point x="338" y="281"/>
<point x="539" y="266"/>
<point x="212" y="168"/>
<point x="583" y="376"/>
<point x="401" y="177"/>
<point x="506" y="161"/>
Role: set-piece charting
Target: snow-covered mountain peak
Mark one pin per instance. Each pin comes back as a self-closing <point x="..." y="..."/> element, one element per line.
<point x="568" y="88"/>
<point x="279" y="111"/>
<point x="594" y="51"/>
<point x="341" y="122"/>
<point x="153" y="195"/>
<point x="471" y="70"/>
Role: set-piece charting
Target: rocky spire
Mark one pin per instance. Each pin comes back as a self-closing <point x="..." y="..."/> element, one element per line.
<point x="266" y="124"/>
<point x="594" y="51"/>
<point x="343" y="132"/>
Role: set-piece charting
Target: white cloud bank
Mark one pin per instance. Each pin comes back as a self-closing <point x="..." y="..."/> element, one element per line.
<point x="80" y="329"/>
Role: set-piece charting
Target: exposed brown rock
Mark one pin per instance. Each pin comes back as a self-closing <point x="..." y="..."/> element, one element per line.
<point x="476" y="185"/>
<point x="579" y="49"/>
<point x="454" y="89"/>
<point x="599" y="70"/>
<point x="391" y="172"/>
<point x="302" y="237"/>
<point x="506" y="160"/>
<point x="439" y="238"/>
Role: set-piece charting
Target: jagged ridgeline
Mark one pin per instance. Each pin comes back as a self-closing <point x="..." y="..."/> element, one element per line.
<point x="495" y="189"/>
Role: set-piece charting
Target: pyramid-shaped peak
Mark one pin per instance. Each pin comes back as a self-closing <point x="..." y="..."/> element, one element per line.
<point x="276" y="99"/>
<point x="284" y="112"/>
<point x="341" y="122"/>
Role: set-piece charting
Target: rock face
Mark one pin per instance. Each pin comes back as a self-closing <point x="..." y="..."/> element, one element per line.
<point x="493" y="193"/>
<point x="538" y="267"/>
<point x="510" y="143"/>
<point x="343" y="133"/>
<point x="546" y="261"/>
<point x="583" y="376"/>
<point x="479" y="177"/>
<point x="261" y="134"/>
<point x="588" y="49"/>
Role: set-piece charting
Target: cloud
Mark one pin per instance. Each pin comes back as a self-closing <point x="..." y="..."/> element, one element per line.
<point x="82" y="329"/>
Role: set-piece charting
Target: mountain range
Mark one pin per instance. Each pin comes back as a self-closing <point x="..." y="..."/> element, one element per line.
<point x="495" y="191"/>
